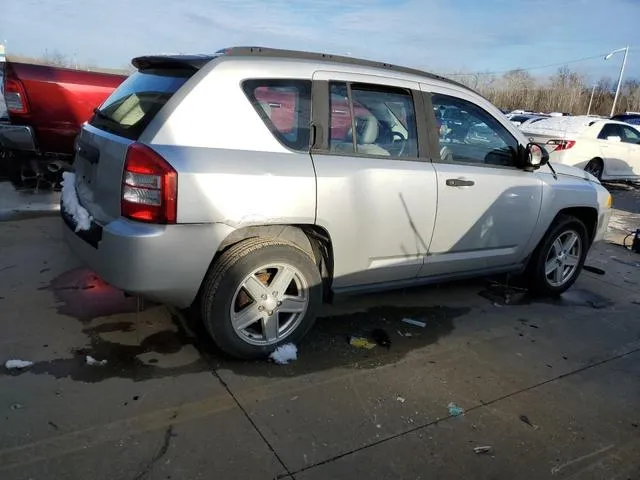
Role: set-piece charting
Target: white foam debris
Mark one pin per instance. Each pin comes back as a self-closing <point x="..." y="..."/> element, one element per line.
<point x="284" y="354"/>
<point x="17" y="364"/>
<point x="93" y="362"/>
<point x="71" y="204"/>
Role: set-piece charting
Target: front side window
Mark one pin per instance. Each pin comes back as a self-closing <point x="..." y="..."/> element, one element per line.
<point x="610" y="130"/>
<point x="469" y="134"/>
<point x="285" y="107"/>
<point x="630" y="135"/>
<point x="372" y="120"/>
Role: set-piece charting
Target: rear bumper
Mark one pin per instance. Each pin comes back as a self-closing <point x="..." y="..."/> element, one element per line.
<point x="164" y="263"/>
<point x="17" y="137"/>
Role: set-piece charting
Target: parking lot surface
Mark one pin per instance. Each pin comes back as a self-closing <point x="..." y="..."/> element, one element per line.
<point x="120" y="389"/>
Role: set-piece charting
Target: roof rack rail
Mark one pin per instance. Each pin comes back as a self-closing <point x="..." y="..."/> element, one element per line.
<point x="302" y="55"/>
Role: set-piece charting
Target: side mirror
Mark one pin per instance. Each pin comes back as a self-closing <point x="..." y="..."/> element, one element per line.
<point x="614" y="138"/>
<point x="536" y="156"/>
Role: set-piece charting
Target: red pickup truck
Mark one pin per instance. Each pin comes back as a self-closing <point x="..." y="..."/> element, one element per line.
<point x="46" y="107"/>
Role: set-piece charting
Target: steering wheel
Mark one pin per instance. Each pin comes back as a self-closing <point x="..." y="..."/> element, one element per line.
<point x="399" y="142"/>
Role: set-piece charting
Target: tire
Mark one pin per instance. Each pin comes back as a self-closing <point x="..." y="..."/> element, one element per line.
<point x="546" y="284"/>
<point x="595" y="167"/>
<point x="238" y="288"/>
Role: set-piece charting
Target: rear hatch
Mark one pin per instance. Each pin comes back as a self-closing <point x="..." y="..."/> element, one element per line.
<point x="102" y="144"/>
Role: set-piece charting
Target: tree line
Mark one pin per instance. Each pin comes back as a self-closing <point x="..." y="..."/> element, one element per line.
<point x="565" y="91"/>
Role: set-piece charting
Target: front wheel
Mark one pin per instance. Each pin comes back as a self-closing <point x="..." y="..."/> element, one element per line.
<point x="260" y="294"/>
<point x="558" y="259"/>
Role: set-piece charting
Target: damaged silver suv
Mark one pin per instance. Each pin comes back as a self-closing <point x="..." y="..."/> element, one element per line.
<point x="256" y="183"/>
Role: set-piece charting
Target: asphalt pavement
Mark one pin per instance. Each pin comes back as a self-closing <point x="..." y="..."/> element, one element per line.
<point x="121" y="389"/>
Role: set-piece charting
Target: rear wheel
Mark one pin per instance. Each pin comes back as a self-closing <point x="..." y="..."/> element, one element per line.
<point x="260" y="293"/>
<point x="595" y="167"/>
<point x="558" y="259"/>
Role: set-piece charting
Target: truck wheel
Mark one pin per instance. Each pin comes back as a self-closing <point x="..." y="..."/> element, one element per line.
<point x="558" y="259"/>
<point x="260" y="294"/>
<point x="595" y="167"/>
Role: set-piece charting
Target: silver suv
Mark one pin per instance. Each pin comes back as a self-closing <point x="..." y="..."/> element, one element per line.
<point x="256" y="183"/>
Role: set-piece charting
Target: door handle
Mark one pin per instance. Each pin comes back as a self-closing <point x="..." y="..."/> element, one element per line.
<point x="459" y="182"/>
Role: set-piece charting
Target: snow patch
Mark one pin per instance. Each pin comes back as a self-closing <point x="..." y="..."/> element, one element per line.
<point x="70" y="202"/>
<point x="17" y="364"/>
<point x="284" y="354"/>
<point x="93" y="362"/>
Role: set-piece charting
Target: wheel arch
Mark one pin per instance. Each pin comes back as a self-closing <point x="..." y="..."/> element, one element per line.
<point x="312" y="239"/>
<point x="587" y="215"/>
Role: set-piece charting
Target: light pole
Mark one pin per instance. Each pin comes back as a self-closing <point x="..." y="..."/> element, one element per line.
<point x="624" y="62"/>
<point x="593" y="90"/>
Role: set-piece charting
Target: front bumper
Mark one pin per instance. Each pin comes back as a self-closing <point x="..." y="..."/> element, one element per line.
<point x="17" y="137"/>
<point x="163" y="263"/>
<point x="603" y="224"/>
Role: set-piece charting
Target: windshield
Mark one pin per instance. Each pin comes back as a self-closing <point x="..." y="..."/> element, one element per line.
<point x="132" y="106"/>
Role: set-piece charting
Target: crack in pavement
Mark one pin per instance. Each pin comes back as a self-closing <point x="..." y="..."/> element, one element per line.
<point x="471" y="409"/>
<point x="168" y="435"/>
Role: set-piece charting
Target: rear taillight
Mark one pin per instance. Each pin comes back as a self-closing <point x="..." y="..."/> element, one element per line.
<point x="149" y="187"/>
<point x="15" y="96"/>
<point x="561" y="144"/>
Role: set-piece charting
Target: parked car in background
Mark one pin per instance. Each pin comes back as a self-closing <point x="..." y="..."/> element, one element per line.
<point x="46" y="106"/>
<point x="632" y="118"/>
<point x="328" y="180"/>
<point x="607" y="149"/>
<point x="518" y="120"/>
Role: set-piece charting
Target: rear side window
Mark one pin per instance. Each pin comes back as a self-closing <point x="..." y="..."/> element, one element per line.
<point x="285" y="107"/>
<point x="132" y="106"/>
<point x="610" y="130"/>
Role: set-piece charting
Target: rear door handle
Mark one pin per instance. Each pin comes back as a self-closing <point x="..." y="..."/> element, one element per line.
<point x="459" y="182"/>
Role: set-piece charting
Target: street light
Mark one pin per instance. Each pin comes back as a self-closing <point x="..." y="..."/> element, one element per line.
<point x="624" y="62"/>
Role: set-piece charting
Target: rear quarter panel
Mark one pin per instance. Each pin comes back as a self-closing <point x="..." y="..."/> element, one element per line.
<point x="231" y="168"/>
<point x="60" y="101"/>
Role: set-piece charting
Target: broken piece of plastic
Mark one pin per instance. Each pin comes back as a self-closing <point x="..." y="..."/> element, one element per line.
<point x="361" y="342"/>
<point x="483" y="449"/>
<point x="17" y="364"/>
<point x="455" y="410"/>
<point x="416" y="323"/>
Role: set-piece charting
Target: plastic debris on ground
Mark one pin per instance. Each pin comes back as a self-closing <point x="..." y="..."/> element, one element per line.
<point x="381" y="338"/>
<point x="415" y="323"/>
<point x="17" y="364"/>
<point x="361" y="342"/>
<point x="70" y="202"/>
<point x="284" y="354"/>
<point x="405" y="334"/>
<point x="93" y="362"/>
<point x="483" y="449"/>
<point x="455" y="410"/>
<point x="401" y="399"/>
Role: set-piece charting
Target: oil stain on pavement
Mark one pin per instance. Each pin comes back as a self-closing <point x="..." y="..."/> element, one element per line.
<point x="179" y="344"/>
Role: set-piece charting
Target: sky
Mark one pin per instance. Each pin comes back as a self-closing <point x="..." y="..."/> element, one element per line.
<point x="443" y="36"/>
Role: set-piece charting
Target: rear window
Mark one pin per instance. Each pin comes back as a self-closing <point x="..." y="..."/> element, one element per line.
<point x="285" y="108"/>
<point x="132" y="106"/>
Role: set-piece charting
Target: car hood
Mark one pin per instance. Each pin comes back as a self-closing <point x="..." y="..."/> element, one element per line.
<point x="569" y="171"/>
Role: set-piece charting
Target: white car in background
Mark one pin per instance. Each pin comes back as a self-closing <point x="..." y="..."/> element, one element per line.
<point x="608" y="149"/>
